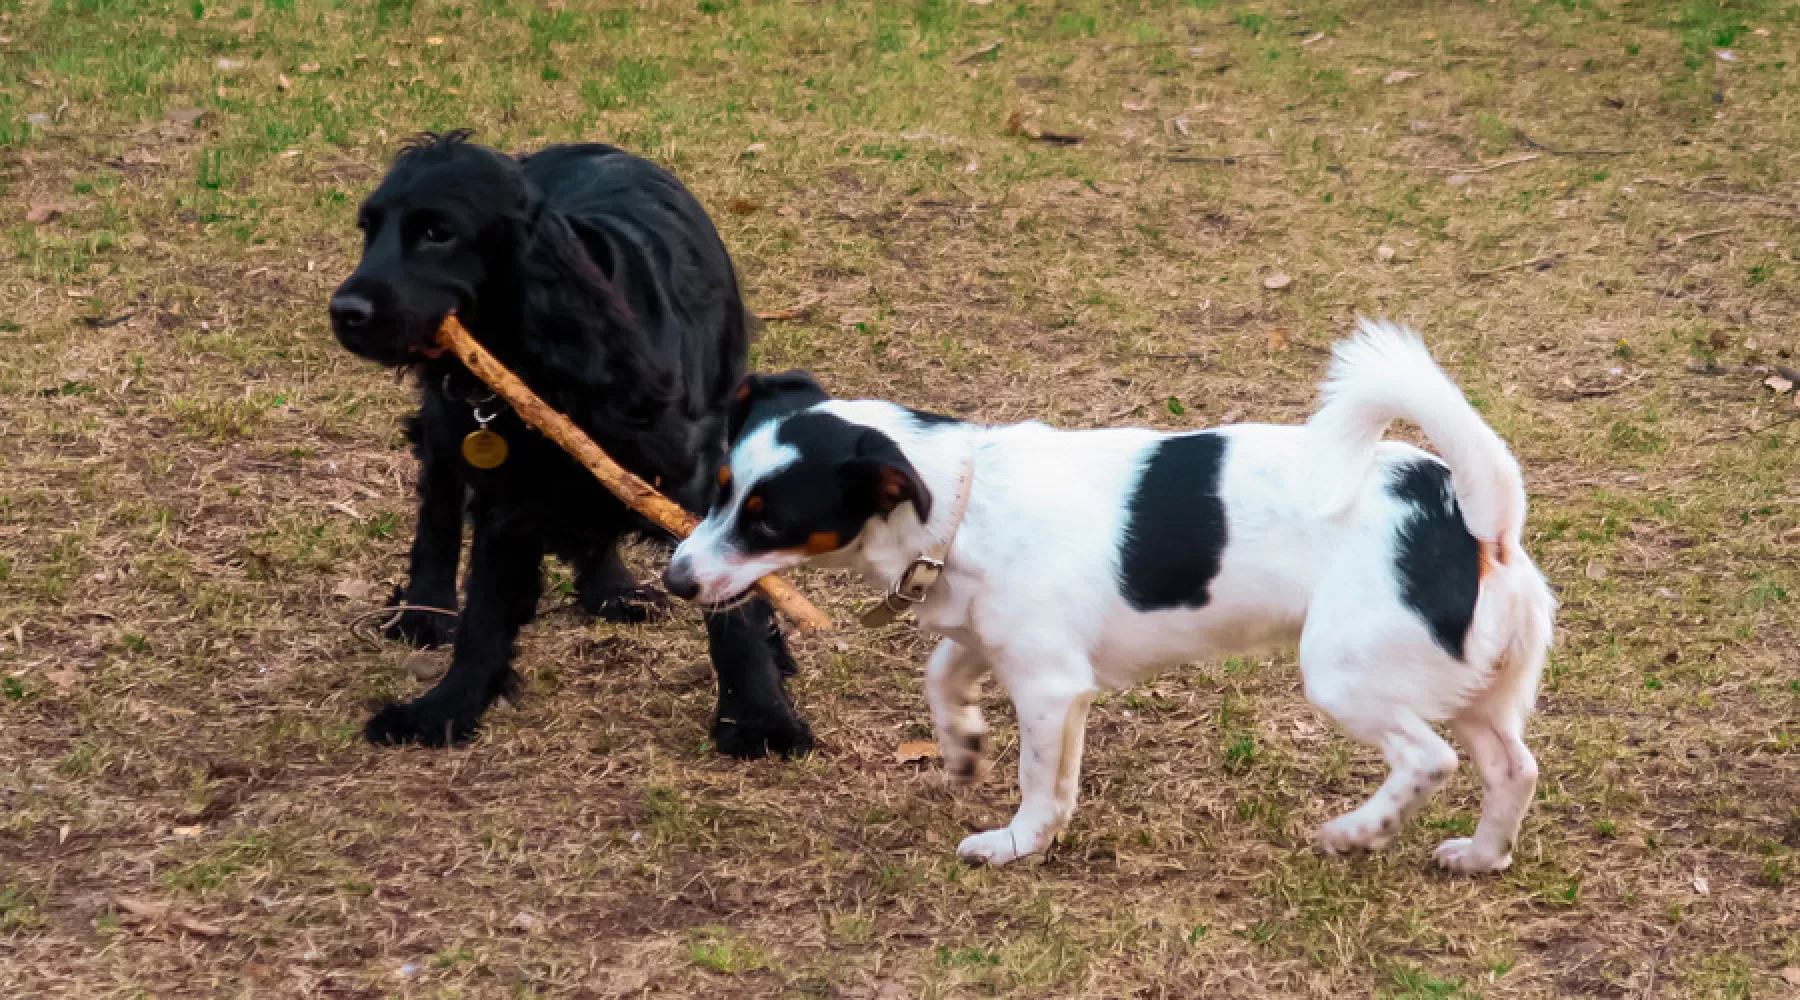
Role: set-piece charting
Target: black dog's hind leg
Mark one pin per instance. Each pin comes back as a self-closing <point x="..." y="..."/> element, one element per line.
<point x="505" y="578"/>
<point x="607" y="589"/>
<point x="437" y="544"/>
<point x="756" y="716"/>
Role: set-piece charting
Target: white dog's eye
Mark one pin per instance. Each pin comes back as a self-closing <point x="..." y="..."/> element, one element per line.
<point x="763" y="528"/>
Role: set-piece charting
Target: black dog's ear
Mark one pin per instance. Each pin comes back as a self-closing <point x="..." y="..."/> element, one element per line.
<point x="880" y="464"/>
<point x="765" y="397"/>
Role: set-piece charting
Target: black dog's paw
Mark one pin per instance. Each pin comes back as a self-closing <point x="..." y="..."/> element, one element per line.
<point x="419" y="629"/>
<point x="420" y="722"/>
<point x="633" y="606"/>
<point x="755" y="737"/>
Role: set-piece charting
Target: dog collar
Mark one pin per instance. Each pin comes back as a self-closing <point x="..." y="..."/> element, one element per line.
<point x="917" y="579"/>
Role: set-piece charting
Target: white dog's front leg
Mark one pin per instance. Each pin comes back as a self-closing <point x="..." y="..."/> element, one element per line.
<point x="952" y="684"/>
<point x="1052" y="727"/>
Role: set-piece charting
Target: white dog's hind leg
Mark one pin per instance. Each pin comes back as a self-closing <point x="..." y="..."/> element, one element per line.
<point x="1508" y="782"/>
<point x="1052" y="729"/>
<point x="952" y="685"/>
<point x="1419" y="761"/>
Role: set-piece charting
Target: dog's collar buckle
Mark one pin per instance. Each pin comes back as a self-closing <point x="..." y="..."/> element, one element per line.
<point x="918" y="579"/>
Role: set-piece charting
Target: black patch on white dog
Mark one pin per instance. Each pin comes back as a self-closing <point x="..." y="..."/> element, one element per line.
<point x="926" y="418"/>
<point x="1175" y="528"/>
<point x="1439" y="562"/>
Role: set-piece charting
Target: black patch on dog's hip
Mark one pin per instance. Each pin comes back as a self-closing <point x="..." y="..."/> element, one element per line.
<point x="1175" y="526"/>
<point x="1438" y="562"/>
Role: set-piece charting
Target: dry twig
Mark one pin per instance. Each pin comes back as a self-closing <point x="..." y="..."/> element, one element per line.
<point x="624" y="484"/>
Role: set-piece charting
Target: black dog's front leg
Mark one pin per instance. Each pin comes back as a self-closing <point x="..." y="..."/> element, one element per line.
<point x="756" y="716"/>
<point x="505" y="578"/>
<point x="437" y="544"/>
<point x="607" y="589"/>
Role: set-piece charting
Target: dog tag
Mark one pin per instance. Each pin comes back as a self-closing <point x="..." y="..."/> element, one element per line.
<point x="484" y="449"/>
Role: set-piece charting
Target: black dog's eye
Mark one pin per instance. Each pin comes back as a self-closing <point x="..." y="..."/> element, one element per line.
<point x="437" y="234"/>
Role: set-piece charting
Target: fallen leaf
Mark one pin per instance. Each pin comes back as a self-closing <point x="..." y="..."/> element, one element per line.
<point x="188" y="831"/>
<point x="1701" y="887"/>
<point x="1779" y="384"/>
<point x="230" y="65"/>
<point x="527" y="921"/>
<point x="1130" y="106"/>
<point x="1398" y="76"/>
<point x="434" y="40"/>
<point x="81" y="293"/>
<point x="63" y="679"/>
<point x="978" y="51"/>
<point x="393" y="64"/>
<point x="141" y="910"/>
<point x="309" y="67"/>
<point x="353" y="590"/>
<point x="1667" y="594"/>
<point x="184" y="116"/>
<point x="282" y="82"/>
<point x="198" y="927"/>
<point x="40" y="214"/>
<point x="916" y="750"/>
<point x="1725" y="55"/>
<point x="1792" y="975"/>
<point x="1276" y="282"/>
<point x="1277" y="339"/>
<point x="742" y="206"/>
<point x="1457" y="180"/>
<point x="1385" y="252"/>
<point x="1719" y="340"/>
<point x="38" y="119"/>
<point x="1595" y="571"/>
<point x="1761" y="32"/>
<point x="755" y="147"/>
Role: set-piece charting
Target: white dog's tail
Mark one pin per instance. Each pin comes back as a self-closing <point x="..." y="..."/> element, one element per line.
<point x="1384" y="373"/>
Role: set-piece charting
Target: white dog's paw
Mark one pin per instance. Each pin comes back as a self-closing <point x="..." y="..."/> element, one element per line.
<point x="996" y="847"/>
<point x="1358" y="831"/>
<point x="1461" y="855"/>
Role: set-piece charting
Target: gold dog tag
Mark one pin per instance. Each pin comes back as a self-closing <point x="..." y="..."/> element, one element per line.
<point x="484" y="449"/>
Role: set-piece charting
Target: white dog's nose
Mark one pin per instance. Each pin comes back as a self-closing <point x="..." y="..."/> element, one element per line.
<point x="679" y="580"/>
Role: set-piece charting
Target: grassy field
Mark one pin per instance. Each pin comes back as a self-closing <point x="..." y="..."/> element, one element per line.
<point x="1589" y="206"/>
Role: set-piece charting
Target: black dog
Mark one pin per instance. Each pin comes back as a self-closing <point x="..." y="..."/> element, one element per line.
<point x="598" y="279"/>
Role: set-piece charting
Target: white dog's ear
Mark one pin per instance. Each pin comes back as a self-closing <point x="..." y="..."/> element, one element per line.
<point x="883" y="468"/>
<point x="767" y="397"/>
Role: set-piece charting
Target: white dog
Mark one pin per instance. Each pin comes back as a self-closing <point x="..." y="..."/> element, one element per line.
<point x="1069" y="562"/>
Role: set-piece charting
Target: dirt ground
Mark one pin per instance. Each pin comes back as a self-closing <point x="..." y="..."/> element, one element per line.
<point x="1589" y="207"/>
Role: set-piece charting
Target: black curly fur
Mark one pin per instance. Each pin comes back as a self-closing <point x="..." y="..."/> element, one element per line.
<point x="598" y="279"/>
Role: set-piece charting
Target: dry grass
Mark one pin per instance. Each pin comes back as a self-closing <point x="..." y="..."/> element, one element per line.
<point x="197" y="489"/>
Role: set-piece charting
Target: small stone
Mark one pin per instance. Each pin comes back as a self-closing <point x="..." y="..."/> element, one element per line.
<point x="1276" y="282"/>
<point x="426" y="664"/>
<point x="1385" y="252"/>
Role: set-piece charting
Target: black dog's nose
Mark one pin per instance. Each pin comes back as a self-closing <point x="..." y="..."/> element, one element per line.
<point x="351" y="311"/>
<point x="679" y="580"/>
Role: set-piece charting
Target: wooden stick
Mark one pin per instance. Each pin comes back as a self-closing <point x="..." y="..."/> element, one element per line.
<point x="637" y="494"/>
